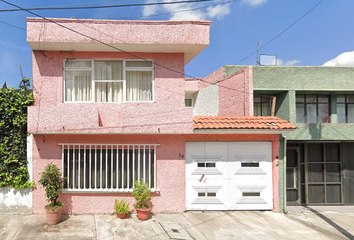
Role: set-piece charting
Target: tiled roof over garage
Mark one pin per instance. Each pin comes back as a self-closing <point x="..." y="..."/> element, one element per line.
<point x="272" y="123"/>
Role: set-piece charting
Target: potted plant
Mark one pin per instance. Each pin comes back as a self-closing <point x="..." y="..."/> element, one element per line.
<point x="121" y="207"/>
<point x="142" y="194"/>
<point x="52" y="182"/>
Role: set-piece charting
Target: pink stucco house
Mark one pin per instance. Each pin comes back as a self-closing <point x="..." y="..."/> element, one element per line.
<point x="112" y="106"/>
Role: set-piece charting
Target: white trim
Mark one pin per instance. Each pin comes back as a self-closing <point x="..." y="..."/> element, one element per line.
<point x="242" y="131"/>
<point x="103" y="190"/>
<point x="109" y="186"/>
<point x="125" y="69"/>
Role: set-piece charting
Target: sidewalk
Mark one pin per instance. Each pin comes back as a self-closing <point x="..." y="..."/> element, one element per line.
<point x="190" y="225"/>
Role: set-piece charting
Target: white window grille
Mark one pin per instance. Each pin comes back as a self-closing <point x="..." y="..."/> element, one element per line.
<point x="108" y="168"/>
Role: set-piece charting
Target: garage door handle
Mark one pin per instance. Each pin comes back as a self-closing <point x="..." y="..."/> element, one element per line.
<point x="201" y="179"/>
<point x="345" y="173"/>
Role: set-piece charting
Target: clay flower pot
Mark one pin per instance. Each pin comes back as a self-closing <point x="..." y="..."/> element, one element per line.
<point x="143" y="214"/>
<point x="53" y="216"/>
<point x="122" y="215"/>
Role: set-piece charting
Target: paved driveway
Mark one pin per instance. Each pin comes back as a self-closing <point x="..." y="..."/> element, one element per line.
<point x="298" y="224"/>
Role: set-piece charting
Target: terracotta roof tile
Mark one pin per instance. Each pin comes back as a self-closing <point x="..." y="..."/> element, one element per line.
<point x="229" y="122"/>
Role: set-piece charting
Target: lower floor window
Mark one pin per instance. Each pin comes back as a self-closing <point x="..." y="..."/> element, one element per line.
<point x="101" y="167"/>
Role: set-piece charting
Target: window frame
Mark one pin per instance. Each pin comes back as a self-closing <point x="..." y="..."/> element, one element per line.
<point x="124" y="80"/>
<point x="345" y="103"/>
<point x="317" y="103"/>
<point x="262" y="102"/>
<point x="150" y="166"/>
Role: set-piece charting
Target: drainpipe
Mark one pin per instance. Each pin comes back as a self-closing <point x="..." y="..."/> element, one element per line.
<point x="284" y="177"/>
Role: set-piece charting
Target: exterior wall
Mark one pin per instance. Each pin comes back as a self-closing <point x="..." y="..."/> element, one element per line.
<point x="207" y="102"/>
<point x="143" y="32"/>
<point x="167" y="114"/>
<point x="236" y="95"/>
<point x="170" y="173"/>
<point x="188" y="37"/>
<point x="13" y="201"/>
<point x="170" y="169"/>
<point x="226" y="95"/>
<point x="274" y="138"/>
<point x="285" y="82"/>
<point x="191" y="85"/>
<point x="299" y="78"/>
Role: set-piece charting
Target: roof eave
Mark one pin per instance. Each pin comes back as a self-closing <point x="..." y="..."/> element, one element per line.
<point x="243" y="131"/>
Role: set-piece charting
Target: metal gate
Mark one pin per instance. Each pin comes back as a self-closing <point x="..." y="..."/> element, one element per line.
<point x="228" y="176"/>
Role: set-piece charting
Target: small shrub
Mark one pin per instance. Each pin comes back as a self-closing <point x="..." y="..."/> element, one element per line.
<point x="121" y="206"/>
<point x="142" y="194"/>
<point x="52" y="181"/>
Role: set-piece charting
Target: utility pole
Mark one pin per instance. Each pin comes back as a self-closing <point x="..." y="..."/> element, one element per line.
<point x="24" y="84"/>
<point x="258" y="42"/>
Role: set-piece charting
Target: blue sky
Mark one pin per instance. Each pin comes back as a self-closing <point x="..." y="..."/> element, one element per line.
<point x="325" y="35"/>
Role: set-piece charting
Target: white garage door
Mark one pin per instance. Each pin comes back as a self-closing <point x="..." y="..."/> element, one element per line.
<point x="229" y="176"/>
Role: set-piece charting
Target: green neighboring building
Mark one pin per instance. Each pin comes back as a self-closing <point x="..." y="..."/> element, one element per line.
<point x="319" y="155"/>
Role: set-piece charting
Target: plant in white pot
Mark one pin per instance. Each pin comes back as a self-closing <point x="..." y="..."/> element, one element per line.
<point x="52" y="182"/>
<point x="142" y="195"/>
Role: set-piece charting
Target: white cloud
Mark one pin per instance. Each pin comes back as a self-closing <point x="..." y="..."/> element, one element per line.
<point x="193" y="15"/>
<point x="288" y="63"/>
<point x="254" y="3"/>
<point x="219" y="11"/>
<point x="150" y="10"/>
<point x="184" y="11"/>
<point x="342" y="60"/>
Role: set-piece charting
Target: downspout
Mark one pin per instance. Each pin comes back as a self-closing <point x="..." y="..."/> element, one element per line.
<point x="284" y="176"/>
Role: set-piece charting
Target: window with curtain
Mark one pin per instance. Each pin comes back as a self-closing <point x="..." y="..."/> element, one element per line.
<point x="108" y="81"/>
<point x="312" y="108"/>
<point x="262" y="105"/>
<point x="345" y="108"/>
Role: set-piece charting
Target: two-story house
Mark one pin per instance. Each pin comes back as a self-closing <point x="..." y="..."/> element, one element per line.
<point x="317" y="159"/>
<point x="112" y="106"/>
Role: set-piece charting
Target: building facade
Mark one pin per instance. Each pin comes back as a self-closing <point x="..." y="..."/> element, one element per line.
<point x="318" y="157"/>
<point x="111" y="105"/>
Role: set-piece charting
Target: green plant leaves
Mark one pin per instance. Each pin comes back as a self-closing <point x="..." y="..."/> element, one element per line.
<point x="13" y="133"/>
<point x="52" y="182"/>
<point x="142" y="194"/>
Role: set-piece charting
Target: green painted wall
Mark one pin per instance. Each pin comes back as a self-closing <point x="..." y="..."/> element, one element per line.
<point x="284" y="82"/>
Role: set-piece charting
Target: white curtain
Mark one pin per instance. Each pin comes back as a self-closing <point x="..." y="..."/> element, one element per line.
<point x="78" y="85"/>
<point x="109" y="91"/>
<point x="139" y="85"/>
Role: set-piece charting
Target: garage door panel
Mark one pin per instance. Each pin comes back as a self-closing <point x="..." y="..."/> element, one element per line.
<point x="234" y="176"/>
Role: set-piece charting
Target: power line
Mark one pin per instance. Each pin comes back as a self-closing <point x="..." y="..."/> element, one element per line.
<point x="108" y="45"/>
<point x="109" y="6"/>
<point x="12" y="25"/>
<point x="79" y="4"/>
<point x="186" y="10"/>
<point x="282" y="31"/>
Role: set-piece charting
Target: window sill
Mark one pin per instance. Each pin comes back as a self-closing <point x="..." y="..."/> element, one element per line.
<point x="103" y="190"/>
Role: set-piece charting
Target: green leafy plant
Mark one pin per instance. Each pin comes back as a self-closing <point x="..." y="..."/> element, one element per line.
<point x="121" y="206"/>
<point x="142" y="194"/>
<point x="52" y="181"/>
<point x="13" y="134"/>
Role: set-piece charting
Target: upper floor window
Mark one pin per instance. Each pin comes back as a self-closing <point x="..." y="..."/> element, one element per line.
<point x="262" y="105"/>
<point x="312" y="108"/>
<point x="345" y="108"/>
<point x="108" y="80"/>
<point x="189" y="99"/>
